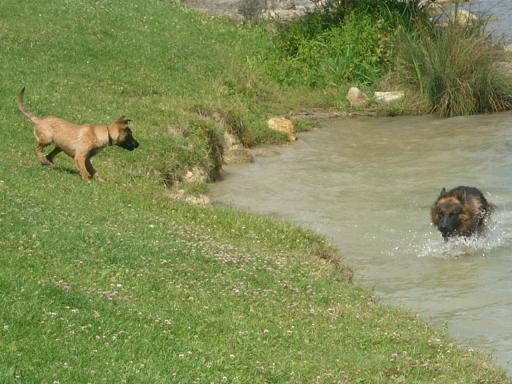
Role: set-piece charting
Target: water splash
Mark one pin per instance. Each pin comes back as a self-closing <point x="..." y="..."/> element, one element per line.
<point x="430" y="244"/>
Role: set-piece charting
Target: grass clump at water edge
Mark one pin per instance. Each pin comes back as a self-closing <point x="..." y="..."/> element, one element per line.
<point x="452" y="61"/>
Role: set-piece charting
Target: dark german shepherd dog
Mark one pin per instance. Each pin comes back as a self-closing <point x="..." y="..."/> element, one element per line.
<point x="462" y="211"/>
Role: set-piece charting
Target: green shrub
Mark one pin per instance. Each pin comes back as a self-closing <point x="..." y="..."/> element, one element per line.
<point x="453" y="65"/>
<point x="341" y="41"/>
<point x="349" y="52"/>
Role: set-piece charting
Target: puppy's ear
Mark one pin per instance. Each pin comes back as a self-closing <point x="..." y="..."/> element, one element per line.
<point x="123" y="120"/>
<point x="443" y="192"/>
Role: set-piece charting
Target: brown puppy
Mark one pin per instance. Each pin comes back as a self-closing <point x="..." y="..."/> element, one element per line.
<point x="81" y="142"/>
<point x="462" y="211"/>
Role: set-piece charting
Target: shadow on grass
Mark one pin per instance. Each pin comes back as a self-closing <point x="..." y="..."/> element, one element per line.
<point x="63" y="169"/>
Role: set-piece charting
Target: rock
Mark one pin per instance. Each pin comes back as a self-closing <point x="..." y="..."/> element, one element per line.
<point x="281" y="4"/>
<point x="388" y="97"/>
<point x="434" y="8"/>
<point x="461" y="16"/>
<point x="238" y="156"/>
<point x="357" y="98"/>
<point x="282" y="124"/>
<point x="195" y="175"/>
<point x="241" y="10"/>
<point x="439" y="7"/>
<point x="280" y="14"/>
<point x="231" y="141"/>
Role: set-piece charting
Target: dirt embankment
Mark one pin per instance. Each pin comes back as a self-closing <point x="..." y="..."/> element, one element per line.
<point x="246" y="9"/>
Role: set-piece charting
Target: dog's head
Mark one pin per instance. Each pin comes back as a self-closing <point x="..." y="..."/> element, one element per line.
<point x="446" y="214"/>
<point x="121" y="134"/>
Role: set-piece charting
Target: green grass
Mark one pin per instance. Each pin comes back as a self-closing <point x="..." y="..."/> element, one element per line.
<point x="115" y="282"/>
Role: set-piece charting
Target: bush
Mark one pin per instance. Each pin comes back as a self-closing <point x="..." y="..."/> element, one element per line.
<point x="344" y="40"/>
<point x="349" y="52"/>
<point x="453" y="65"/>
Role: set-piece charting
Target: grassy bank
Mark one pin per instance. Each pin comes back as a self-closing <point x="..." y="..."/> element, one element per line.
<point x="115" y="281"/>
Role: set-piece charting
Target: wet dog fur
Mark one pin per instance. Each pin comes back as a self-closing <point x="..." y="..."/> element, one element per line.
<point x="79" y="141"/>
<point x="462" y="211"/>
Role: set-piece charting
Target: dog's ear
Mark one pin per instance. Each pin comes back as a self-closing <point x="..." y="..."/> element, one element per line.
<point x="443" y="192"/>
<point x="123" y="120"/>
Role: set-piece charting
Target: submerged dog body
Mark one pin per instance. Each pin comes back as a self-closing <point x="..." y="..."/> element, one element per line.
<point x="79" y="141"/>
<point x="462" y="211"/>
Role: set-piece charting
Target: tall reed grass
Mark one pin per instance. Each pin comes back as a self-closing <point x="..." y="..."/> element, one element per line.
<point x="452" y="61"/>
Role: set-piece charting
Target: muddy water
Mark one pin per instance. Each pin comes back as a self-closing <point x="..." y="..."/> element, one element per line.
<point x="368" y="184"/>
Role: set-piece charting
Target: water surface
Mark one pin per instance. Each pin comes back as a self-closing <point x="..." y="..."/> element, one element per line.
<point x="502" y="10"/>
<point x="367" y="184"/>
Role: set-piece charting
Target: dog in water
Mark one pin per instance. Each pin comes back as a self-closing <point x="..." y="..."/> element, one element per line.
<point x="81" y="142"/>
<point x="462" y="211"/>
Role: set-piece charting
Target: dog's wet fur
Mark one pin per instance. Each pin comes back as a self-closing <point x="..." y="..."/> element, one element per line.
<point x="79" y="141"/>
<point x="462" y="211"/>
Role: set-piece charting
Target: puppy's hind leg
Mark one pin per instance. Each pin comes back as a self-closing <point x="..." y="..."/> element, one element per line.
<point x="44" y="139"/>
<point x="40" y="153"/>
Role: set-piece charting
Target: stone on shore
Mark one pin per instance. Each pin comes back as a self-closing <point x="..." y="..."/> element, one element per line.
<point x="357" y="98"/>
<point x="282" y="124"/>
<point x="231" y="141"/>
<point x="389" y="97"/>
<point x="196" y="175"/>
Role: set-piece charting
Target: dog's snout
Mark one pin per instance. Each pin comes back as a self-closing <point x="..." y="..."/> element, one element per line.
<point x="129" y="143"/>
<point x="134" y="144"/>
<point x="443" y="224"/>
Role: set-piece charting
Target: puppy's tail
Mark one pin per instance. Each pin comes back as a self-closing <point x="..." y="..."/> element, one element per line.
<point x="21" y="105"/>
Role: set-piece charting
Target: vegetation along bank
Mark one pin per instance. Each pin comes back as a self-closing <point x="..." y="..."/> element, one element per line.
<point x="119" y="281"/>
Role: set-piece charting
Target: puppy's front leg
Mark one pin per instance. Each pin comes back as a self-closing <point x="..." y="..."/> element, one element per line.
<point x="94" y="173"/>
<point x="80" y="165"/>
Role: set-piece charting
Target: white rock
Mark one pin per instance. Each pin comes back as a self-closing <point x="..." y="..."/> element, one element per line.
<point x="356" y="97"/>
<point x="388" y="97"/>
<point x="195" y="175"/>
